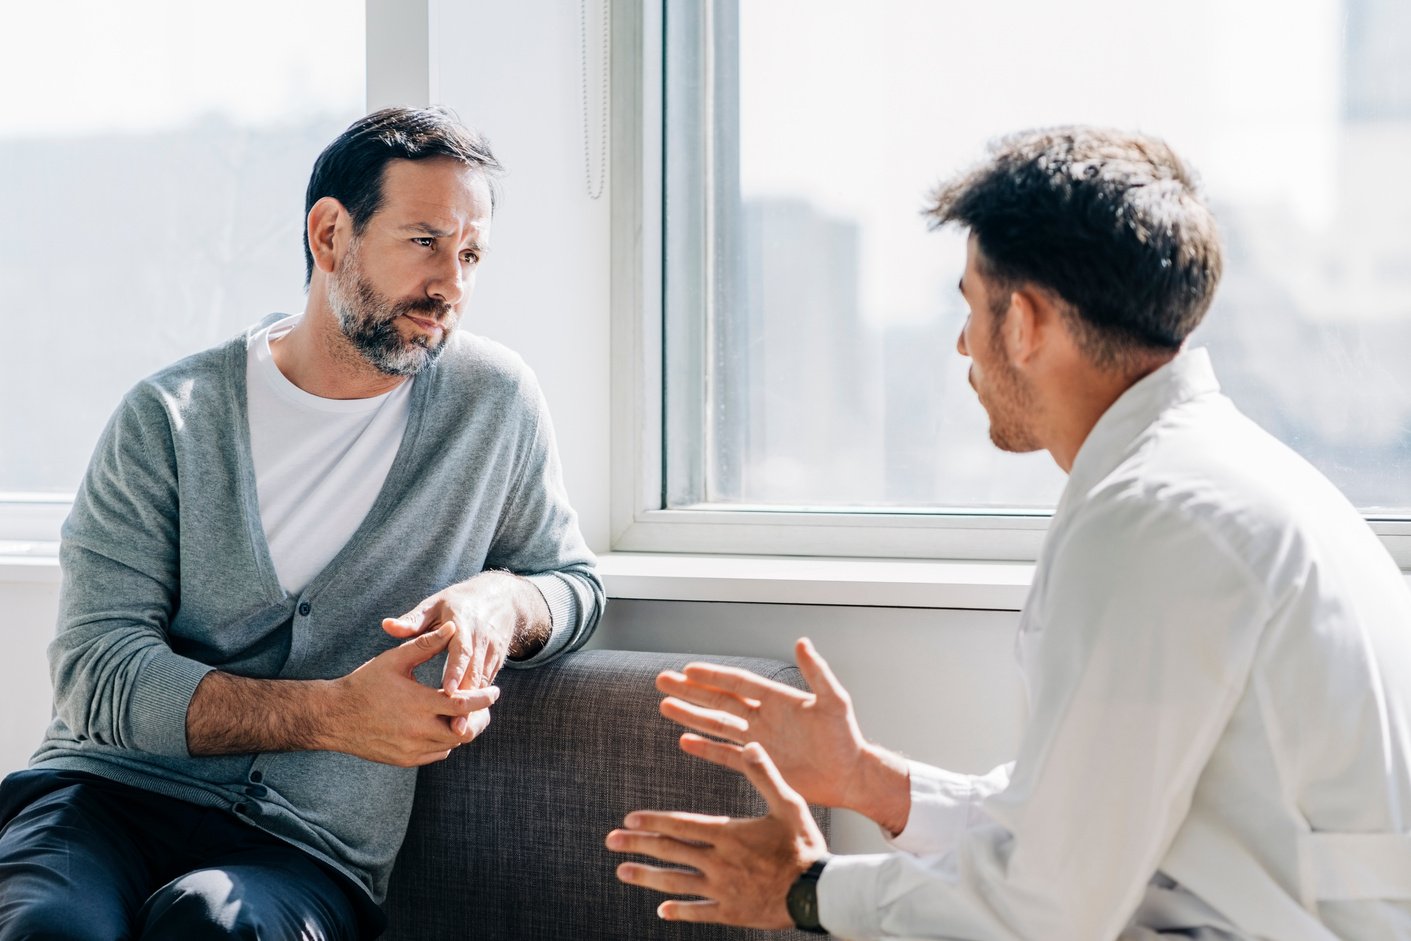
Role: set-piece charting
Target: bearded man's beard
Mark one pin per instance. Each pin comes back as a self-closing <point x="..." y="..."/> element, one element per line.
<point x="369" y="321"/>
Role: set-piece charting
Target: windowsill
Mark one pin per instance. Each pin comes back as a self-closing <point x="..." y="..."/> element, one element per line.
<point x="884" y="583"/>
<point x="867" y="583"/>
<point x="29" y="562"/>
<point x="744" y="579"/>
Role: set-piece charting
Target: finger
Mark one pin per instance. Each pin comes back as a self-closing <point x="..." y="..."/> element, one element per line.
<point x="469" y="727"/>
<point x="414" y="652"/>
<point x="458" y="660"/>
<point x="759" y="768"/>
<point x="496" y="651"/>
<point x="698" y="828"/>
<point x="717" y="753"/>
<point x="816" y="671"/>
<point x="493" y="665"/>
<point x="676" y="685"/>
<point x="479" y="654"/>
<point x="740" y="682"/>
<point x="664" y="848"/>
<point x="702" y="910"/>
<point x="672" y="881"/>
<point x="464" y="702"/>
<point x="707" y="721"/>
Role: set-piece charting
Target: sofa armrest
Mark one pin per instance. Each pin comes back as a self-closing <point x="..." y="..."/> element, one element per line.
<point x="506" y="835"/>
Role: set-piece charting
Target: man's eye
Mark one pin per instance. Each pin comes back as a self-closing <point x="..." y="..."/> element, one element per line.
<point x="469" y="258"/>
<point x="425" y="241"/>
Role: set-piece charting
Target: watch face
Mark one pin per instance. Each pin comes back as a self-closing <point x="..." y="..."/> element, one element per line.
<point x="803" y="899"/>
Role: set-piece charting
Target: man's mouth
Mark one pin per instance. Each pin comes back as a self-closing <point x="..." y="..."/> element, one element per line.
<point x="430" y="325"/>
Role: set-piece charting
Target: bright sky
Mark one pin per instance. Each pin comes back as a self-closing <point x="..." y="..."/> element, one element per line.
<point x="862" y="108"/>
<point x="165" y="61"/>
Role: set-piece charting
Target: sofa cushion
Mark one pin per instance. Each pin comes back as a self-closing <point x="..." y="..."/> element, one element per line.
<point x="506" y="835"/>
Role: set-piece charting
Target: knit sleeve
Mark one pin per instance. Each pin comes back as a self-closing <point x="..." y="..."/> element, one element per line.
<point x="539" y="538"/>
<point x="116" y="680"/>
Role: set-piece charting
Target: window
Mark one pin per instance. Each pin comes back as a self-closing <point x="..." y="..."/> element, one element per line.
<point x="812" y="399"/>
<point x="155" y="158"/>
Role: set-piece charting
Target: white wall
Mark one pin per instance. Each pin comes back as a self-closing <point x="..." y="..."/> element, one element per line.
<point x="513" y="71"/>
<point x="29" y="604"/>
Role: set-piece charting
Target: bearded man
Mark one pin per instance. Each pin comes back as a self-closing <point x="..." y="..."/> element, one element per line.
<point x="273" y="539"/>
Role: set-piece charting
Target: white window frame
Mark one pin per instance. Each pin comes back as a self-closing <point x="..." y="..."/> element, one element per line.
<point x="640" y="521"/>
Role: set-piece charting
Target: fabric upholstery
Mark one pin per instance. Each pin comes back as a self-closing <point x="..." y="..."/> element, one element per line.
<point x="506" y="836"/>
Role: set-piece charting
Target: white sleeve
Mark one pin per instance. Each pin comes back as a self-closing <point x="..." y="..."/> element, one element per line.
<point x="943" y="806"/>
<point x="1134" y="673"/>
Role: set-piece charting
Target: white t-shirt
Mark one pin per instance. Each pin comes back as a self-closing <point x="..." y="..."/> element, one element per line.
<point x="319" y="463"/>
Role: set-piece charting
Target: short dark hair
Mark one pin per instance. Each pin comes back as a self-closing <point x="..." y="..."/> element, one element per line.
<point x="350" y="169"/>
<point x="1111" y="222"/>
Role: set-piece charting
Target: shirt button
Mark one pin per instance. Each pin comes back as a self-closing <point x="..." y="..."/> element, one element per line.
<point x="242" y="808"/>
<point x="257" y="776"/>
<point x="256" y="790"/>
<point x="305" y="608"/>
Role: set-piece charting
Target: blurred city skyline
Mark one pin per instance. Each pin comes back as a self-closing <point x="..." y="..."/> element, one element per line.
<point x="845" y="356"/>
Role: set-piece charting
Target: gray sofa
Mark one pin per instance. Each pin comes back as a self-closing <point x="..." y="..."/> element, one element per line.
<point x="506" y="836"/>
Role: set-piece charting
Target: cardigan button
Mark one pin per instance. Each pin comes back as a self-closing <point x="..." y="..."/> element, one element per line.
<point x="305" y="608"/>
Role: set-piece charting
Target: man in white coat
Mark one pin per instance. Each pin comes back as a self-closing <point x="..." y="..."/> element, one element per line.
<point x="1216" y="648"/>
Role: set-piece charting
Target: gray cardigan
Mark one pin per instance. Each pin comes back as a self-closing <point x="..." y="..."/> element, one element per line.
<point x="166" y="575"/>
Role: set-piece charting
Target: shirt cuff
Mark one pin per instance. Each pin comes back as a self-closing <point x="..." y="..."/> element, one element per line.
<point x="941" y="804"/>
<point x="161" y="698"/>
<point x="848" y="895"/>
<point x="563" y="615"/>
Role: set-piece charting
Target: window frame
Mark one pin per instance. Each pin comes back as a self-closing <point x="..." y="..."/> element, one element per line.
<point x="640" y="518"/>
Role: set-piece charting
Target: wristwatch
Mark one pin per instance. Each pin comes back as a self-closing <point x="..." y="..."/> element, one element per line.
<point x="803" y="899"/>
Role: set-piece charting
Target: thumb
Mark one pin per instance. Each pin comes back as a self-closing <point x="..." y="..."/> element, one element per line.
<point x="418" y="650"/>
<point x="759" y="768"/>
<point x="406" y="625"/>
<point x="816" y="671"/>
<point x="399" y="628"/>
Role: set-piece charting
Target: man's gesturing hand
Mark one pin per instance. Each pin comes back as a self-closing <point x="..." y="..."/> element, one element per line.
<point x="495" y="614"/>
<point x="742" y="869"/>
<point x="812" y="737"/>
<point x="385" y="715"/>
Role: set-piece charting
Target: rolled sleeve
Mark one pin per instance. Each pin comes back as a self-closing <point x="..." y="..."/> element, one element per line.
<point x="944" y="805"/>
<point x="161" y="698"/>
<point x="564" y="608"/>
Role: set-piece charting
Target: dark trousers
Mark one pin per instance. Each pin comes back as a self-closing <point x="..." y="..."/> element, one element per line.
<point x="82" y="857"/>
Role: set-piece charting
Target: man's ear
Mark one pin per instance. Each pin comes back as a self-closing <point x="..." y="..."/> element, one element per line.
<point x="1021" y="327"/>
<point x="329" y="227"/>
<point x="1032" y="325"/>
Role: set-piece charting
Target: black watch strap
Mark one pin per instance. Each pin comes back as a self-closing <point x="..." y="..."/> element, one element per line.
<point x="803" y="898"/>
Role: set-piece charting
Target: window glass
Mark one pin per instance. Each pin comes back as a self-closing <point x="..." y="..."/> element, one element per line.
<point x="154" y="156"/>
<point x="811" y="318"/>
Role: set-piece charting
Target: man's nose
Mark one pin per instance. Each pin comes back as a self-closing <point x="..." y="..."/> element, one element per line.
<point x="448" y="284"/>
<point x="960" y="340"/>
